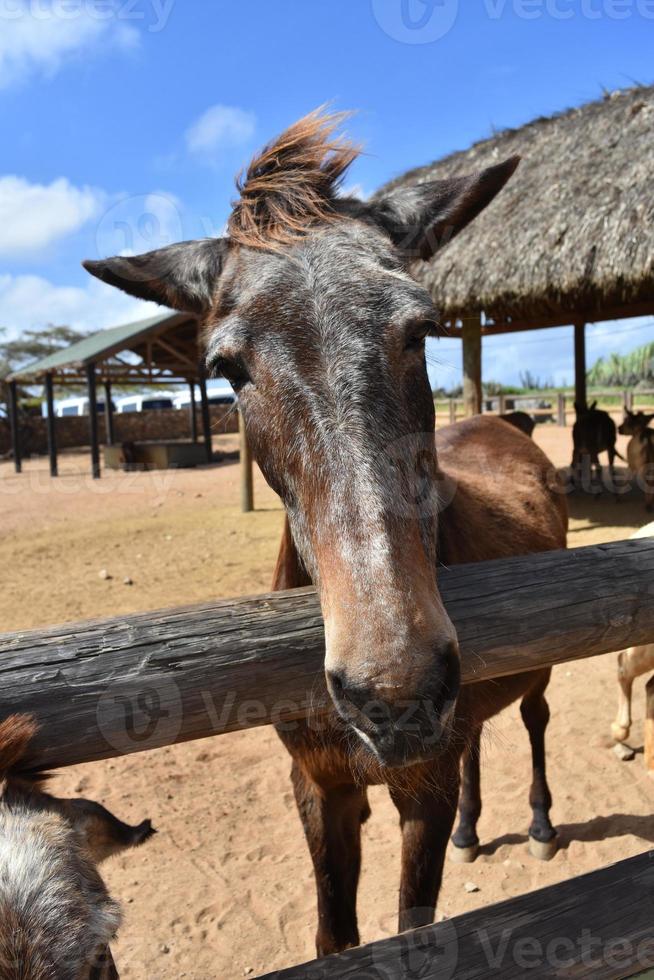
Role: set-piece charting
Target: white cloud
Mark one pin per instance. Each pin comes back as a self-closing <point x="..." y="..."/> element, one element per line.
<point x="220" y="127"/>
<point x="33" y="216"/>
<point x="37" y="38"/>
<point x="28" y="302"/>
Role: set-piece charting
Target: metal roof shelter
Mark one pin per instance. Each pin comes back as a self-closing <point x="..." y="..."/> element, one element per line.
<point x="164" y="349"/>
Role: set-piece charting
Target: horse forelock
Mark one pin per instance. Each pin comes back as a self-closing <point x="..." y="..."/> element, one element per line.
<point x="292" y="185"/>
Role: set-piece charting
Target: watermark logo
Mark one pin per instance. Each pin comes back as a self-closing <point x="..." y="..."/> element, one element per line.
<point x="135" y="714"/>
<point x="139" y="223"/>
<point x="416" y="21"/>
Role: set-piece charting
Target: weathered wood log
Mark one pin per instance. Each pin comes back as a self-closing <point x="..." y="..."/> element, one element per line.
<point x="594" y="927"/>
<point x="142" y="681"/>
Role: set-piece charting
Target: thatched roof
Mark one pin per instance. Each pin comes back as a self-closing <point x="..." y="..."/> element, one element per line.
<point x="573" y="231"/>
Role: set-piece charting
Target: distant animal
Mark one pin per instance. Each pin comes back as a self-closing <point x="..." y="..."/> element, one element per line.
<point x="594" y="432"/>
<point x="640" y="451"/>
<point x="313" y="315"/>
<point x="56" y="916"/>
<point x="520" y="420"/>
<point x="633" y="663"/>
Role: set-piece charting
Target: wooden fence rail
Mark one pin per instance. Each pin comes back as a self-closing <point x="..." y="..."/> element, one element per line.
<point x="142" y="681"/>
<point x="597" y="926"/>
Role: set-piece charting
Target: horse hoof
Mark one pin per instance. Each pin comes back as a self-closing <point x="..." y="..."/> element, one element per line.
<point x="619" y="732"/>
<point x="543" y="850"/>
<point x="464" y="855"/>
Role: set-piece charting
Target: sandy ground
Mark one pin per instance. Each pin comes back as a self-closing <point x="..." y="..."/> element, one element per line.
<point x="225" y="890"/>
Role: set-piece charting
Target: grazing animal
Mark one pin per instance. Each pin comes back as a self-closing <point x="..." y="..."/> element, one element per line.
<point x="312" y="313"/>
<point x="640" y="451"/>
<point x="521" y="421"/>
<point x="594" y="432"/>
<point x="632" y="663"/>
<point x="56" y="916"/>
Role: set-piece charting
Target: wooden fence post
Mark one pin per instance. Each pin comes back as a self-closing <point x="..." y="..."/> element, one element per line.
<point x="561" y="408"/>
<point x="247" y="482"/>
<point x="452" y="410"/>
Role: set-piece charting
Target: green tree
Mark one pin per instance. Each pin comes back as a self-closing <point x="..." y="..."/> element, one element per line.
<point x="624" y="369"/>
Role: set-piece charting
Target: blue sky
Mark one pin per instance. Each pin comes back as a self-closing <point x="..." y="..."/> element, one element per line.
<point x="124" y="122"/>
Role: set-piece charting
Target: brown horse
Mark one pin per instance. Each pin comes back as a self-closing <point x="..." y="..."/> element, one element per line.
<point x="313" y="315"/>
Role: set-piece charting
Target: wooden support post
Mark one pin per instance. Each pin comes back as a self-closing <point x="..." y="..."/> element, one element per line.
<point x="561" y="408"/>
<point x="649" y="727"/>
<point x="193" y="412"/>
<point x="580" y="363"/>
<point x="93" y="421"/>
<point x="52" y="434"/>
<point x="502" y="404"/>
<point x="149" y="679"/>
<point x="15" y="426"/>
<point x="108" y="414"/>
<point x="206" y="418"/>
<point x="247" y="482"/>
<point x="452" y="411"/>
<point x="471" y="336"/>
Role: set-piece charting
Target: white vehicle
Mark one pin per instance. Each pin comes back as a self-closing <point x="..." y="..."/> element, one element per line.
<point x="71" y="406"/>
<point x="144" y="403"/>
<point x="216" y="397"/>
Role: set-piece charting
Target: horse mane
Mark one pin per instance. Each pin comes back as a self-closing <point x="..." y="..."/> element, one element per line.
<point x="292" y="185"/>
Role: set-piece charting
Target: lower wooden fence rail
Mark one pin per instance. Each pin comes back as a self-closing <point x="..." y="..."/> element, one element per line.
<point x="598" y="926"/>
<point x="142" y="681"/>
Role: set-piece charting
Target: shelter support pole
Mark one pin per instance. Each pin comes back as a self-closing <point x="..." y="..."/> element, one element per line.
<point x="108" y="414"/>
<point x="193" y="409"/>
<point x="15" y="426"/>
<point x="580" y="363"/>
<point x="561" y="409"/>
<point x="471" y="336"/>
<point x="93" y="421"/>
<point x="52" y="434"/>
<point x="206" y="418"/>
<point x="247" y="483"/>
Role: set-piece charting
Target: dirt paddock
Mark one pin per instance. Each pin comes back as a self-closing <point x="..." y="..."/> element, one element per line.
<point x="225" y="889"/>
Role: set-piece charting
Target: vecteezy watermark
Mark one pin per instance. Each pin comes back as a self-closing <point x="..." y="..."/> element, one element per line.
<point x="138" y="713"/>
<point x="139" y="223"/>
<point x="427" y="21"/>
<point x="152" y="15"/>
<point x="567" y="9"/>
<point x="416" y="21"/>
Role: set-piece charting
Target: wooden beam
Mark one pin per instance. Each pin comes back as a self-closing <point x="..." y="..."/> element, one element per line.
<point x="247" y="477"/>
<point x="109" y="414"/>
<point x="15" y="426"/>
<point x="146" y="680"/>
<point x="580" y="363"/>
<point x="206" y="417"/>
<point x="472" y="366"/>
<point x="596" y="926"/>
<point x="52" y="432"/>
<point x="93" y="421"/>
<point x="193" y="412"/>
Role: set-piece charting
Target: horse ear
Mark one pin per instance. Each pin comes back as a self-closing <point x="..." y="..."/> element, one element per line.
<point x="593" y="406"/>
<point x="420" y="218"/>
<point x="183" y="276"/>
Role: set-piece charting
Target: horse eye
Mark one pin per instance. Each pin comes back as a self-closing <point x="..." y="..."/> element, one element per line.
<point x="232" y="369"/>
<point x="417" y="334"/>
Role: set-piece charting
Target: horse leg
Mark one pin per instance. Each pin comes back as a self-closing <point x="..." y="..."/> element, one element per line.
<point x="649" y="726"/>
<point x="535" y="715"/>
<point x="426" y="817"/>
<point x="626" y="674"/>
<point x="465" y="839"/>
<point x="332" y="818"/>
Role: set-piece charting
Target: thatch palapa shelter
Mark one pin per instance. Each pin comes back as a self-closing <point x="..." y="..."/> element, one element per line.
<point x="570" y="240"/>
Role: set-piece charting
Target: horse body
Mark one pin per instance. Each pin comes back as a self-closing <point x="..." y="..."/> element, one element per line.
<point x="505" y="501"/>
<point x="640" y="450"/>
<point x="594" y="432"/>
<point x="312" y="313"/>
